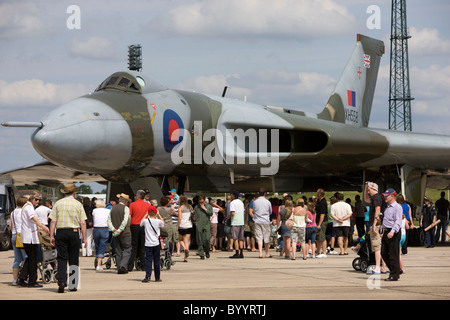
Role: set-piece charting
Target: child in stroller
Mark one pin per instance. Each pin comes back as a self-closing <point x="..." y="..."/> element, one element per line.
<point x="47" y="268"/>
<point x="366" y="256"/>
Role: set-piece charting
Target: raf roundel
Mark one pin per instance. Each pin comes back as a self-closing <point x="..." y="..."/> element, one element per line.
<point x="173" y="129"/>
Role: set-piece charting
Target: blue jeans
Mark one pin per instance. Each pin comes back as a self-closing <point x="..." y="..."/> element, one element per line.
<point x="19" y="254"/>
<point x="311" y="234"/>
<point x="152" y="254"/>
<point x="101" y="237"/>
<point x="430" y="239"/>
<point x="441" y="226"/>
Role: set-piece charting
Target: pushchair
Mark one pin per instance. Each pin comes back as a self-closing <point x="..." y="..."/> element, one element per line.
<point x="166" y="256"/>
<point x="47" y="268"/>
<point x="366" y="256"/>
<point x="110" y="255"/>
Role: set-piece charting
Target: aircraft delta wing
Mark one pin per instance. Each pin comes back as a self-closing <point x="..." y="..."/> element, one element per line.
<point x="48" y="174"/>
<point x="136" y="133"/>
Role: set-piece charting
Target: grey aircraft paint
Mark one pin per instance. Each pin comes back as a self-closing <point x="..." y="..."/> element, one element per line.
<point x="130" y="127"/>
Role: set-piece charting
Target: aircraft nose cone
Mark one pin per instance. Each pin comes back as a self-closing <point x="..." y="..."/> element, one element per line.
<point x="85" y="134"/>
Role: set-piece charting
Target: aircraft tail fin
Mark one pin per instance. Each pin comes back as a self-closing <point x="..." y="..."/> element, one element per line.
<point x="351" y="100"/>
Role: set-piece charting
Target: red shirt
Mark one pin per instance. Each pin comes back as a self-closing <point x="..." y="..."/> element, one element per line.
<point x="139" y="209"/>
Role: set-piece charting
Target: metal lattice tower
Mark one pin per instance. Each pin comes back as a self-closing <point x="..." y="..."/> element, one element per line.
<point x="399" y="88"/>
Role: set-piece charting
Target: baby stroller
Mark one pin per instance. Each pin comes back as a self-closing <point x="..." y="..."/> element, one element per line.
<point x="110" y="255"/>
<point x="47" y="267"/>
<point x="166" y="257"/>
<point x="366" y="256"/>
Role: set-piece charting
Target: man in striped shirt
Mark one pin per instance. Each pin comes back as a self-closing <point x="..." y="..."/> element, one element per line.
<point x="67" y="217"/>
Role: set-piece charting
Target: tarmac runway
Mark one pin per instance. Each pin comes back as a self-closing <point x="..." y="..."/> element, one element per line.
<point x="221" y="278"/>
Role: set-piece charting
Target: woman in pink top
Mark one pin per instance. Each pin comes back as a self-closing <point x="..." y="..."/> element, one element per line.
<point x="311" y="230"/>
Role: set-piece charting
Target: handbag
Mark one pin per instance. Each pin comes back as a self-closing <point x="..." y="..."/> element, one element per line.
<point x="289" y="222"/>
<point x="161" y="240"/>
<point x="19" y="243"/>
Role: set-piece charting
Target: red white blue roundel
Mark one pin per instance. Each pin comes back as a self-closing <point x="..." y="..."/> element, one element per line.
<point x="172" y="122"/>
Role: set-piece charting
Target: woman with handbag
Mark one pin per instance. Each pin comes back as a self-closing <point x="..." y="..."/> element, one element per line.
<point x="152" y="225"/>
<point x="30" y="240"/>
<point x="185" y="226"/>
<point x="15" y="225"/>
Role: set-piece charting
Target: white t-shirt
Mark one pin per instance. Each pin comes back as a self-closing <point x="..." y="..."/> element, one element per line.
<point x="100" y="217"/>
<point x="16" y="220"/>
<point x="238" y="207"/>
<point x="29" y="229"/>
<point x="341" y="209"/>
<point x="404" y="226"/>
<point x="42" y="213"/>
<point x="214" y="217"/>
<point x="152" y="238"/>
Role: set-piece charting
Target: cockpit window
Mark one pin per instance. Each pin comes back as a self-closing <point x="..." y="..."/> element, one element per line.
<point x="124" y="82"/>
<point x="112" y="81"/>
<point x="121" y="81"/>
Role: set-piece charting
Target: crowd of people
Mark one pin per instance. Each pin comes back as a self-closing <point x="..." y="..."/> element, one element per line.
<point x="138" y="229"/>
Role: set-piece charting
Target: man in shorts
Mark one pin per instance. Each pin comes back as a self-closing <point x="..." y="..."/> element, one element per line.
<point x="377" y="203"/>
<point x="237" y="211"/>
<point x="341" y="212"/>
<point x="322" y="222"/>
<point x="261" y="211"/>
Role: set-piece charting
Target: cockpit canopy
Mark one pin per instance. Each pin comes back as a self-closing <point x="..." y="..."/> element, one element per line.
<point x="130" y="81"/>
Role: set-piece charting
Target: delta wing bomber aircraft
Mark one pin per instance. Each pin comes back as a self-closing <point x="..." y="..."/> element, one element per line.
<point x="133" y="132"/>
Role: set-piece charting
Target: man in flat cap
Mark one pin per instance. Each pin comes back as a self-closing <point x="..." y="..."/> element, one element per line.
<point x="68" y="218"/>
<point x="119" y="223"/>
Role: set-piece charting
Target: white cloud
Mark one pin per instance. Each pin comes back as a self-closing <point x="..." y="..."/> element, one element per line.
<point x="264" y="18"/>
<point x="19" y="19"/>
<point x="272" y="87"/>
<point x="430" y="89"/>
<point x="427" y="41"/>
<point x="36" y="92"/>
<point x="431" y="83"/>
<point x="429" y="86"/>
<point x="93" y="48"/>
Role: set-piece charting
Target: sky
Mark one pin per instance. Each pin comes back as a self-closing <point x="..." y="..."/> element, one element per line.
<point x="287" y="53"/>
